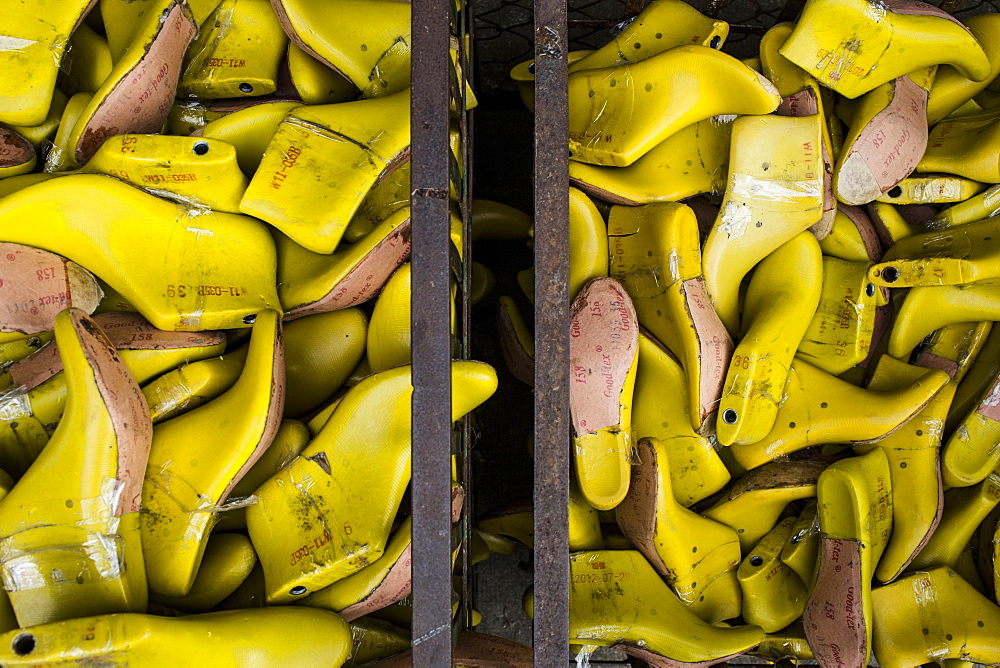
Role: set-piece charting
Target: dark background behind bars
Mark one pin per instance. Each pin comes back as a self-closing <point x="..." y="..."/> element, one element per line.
<point x="502" y="34"/>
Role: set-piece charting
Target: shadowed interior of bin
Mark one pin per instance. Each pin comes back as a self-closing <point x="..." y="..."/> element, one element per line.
<point x="502" y="171"/>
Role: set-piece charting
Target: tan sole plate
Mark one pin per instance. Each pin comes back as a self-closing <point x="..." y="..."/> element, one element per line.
<point x="604" y="337"/>
<point x="366" y="279"/>
<point x="888" y="148"/>
<point x="125" y="331"/>
<point x="36" y="284"/>
<point x="127" y="407"/>
<point x="141" y="100"/>
<point x="833" y="619"/>
<point x="657" y="661"/>
<point x="15" y="150"/>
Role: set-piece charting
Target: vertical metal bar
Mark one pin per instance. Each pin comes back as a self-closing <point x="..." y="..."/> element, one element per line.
<point x="465" y="42"/>
<point x="551" y="494"/>
<point x="431" y="335"/>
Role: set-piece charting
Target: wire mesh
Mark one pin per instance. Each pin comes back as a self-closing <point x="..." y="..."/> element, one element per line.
<point x="503" y="28"/>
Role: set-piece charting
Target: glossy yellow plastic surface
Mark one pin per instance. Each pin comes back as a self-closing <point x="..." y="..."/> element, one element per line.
<point x="368" y="41"/>
<point x="774" y="595"/>
<point x="136" y="96"/>
<point x="954" y="348"/>
<point x="662" y="25"/>
<point x="314" y="81"/>
<point x="696" y="556"/>
<point x="696" y="471"/>
<point x="73" y="549"/>
<point x="123" y="20"/>
<point x="966" y="147"/>
<point x="932" y="189"/>
<point x="854" y="507"/>
<point x="617" y="599"/>
<point x="322" y="161"/>
<point x="390" y="331"/>
<point x="588" y="242"/>
<point x="926" y="309"/>
<point x="315" y="524"/>
<point x="250" y="594"/>
<point x="753" y="503"/>
<point x="800" y="551"/>
<point x="801" y="96"/>
<point x="894" y="223"/>
<point x="690" y="162"/>
<point x="788" y="643"/>
<point x="931" y="616"/>
<point x="236" y="52"/>
<point x="984" y="205"/>
<point x="231" y="639"/>
<point x="228" y="560"/>
<point x="90" y="61"/>
<point x="60" y="156"/>
<point x="617" y="114"/>
<point x="19" y="346"/>
<point x="385" y="198"/>
<point x="954" y="256"/>
<point x="197" y="172"/>
<point x="207" y="272"/>
<point x="777" y="311"/>
<point x="774" y="192"/>
<point x="291" y="438"/>
<point x="249" y="131"/>
<point x="191" y="385"/>
<point x="185" y="482"/>
<point x="915" y="472"/>
<point x="375" y="639"/>
<point x="972" y="451"/>
<point x="979" y="378"/>
<point x="840" y="333"/>
<point x="35" y="37"/>
<point x="381" y="583"/>
<point x="951" y="90"/>
<point x="820" y="408"/>
<point x="493" y="221"/>
<point x="852" y="46"/>
<point x="46" y="131"/>
<point x="655" y="253"/>
<point x="321" y="351"/>
<point x="965" y="508"/>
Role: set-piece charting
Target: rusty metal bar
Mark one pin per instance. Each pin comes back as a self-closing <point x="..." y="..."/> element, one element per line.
<point x="551" y="243"/>
<point x="431" y="335"/>
<point x="466" y="119"/>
